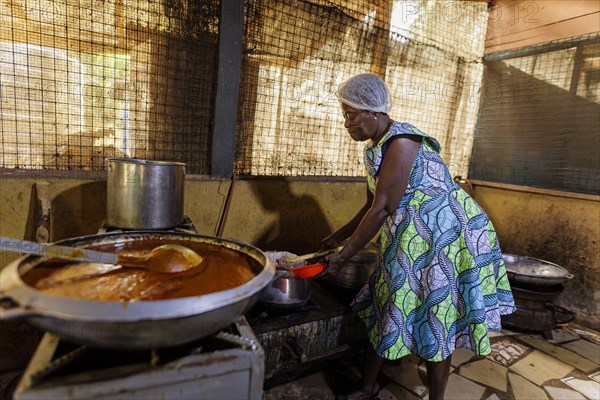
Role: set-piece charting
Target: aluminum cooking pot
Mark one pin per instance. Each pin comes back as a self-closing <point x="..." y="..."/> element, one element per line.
<point x="532" y="272"/>
<point x="144" y="194"/>
<point x="356" y="271"/>
<point x="134" y="324"/>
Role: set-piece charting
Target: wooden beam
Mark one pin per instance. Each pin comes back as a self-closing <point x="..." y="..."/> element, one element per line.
<point x="383" y="20"/>
<point x="231" y="27"/>
<point x="514" y="24"/>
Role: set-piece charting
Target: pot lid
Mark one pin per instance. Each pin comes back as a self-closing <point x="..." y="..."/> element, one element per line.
<point x="139" y="161"/>
<point x="529" y="266"/>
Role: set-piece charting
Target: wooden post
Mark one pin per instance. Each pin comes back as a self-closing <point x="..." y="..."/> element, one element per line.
<point x="231" y="26"/>
<point x="383" y="21"/>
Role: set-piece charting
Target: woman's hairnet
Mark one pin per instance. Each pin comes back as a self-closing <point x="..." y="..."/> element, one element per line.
<point x="365" y="92"/>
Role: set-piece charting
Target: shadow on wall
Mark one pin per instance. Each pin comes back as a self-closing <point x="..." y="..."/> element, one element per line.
<point x="78" y="211"/>
<point x="299" y="222"/>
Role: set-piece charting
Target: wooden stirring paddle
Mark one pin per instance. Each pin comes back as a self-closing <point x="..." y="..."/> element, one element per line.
<point x="313" y="255"/>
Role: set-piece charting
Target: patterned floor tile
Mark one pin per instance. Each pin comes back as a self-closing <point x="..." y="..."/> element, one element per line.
<point x="523" y="389"/>
<point x="586" y="333"/>
<point x="563" y="394"/>
<point x="589" y="350"/>
<point x="506" y="352"/>
<point x="461" y="356"/>
<point x="560" y="353"/>
<point x="588" y="388"/>
<point x="522" y="362"/>
<point x="486" y="372"/>
<point x="539" y="367"/>
<point x="405" y="372"/>
<point x="393" y="391"/>
<point x="314" y="387"/>
<point x="561" y="335"/>
<point x="460" y="388"/>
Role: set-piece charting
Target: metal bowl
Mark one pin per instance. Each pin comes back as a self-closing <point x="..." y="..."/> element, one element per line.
<point x="134" y="324"/>
<point x="286" y="292"/>
<point x="533" y="272"/>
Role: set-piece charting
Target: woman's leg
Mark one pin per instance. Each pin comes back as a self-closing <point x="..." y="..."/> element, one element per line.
<point x="368" y="383"/>
<point x="437" y="378"/>
<point x="373" y="364"/>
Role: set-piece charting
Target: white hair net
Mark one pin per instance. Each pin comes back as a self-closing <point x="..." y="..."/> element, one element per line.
<point x="365" y="92"/>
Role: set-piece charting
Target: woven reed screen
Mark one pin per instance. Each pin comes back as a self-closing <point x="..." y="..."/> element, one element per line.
<point x="90" y="79"/>
<point x="539" y="119"/>
<point x="297" y="52"/>
<point x="82" y="81"/>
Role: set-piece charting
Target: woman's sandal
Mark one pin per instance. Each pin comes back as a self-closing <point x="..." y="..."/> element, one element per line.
<point x="364" y="393"/>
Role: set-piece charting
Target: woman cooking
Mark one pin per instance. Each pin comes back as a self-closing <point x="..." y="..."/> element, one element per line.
<point x="440" y="282"/>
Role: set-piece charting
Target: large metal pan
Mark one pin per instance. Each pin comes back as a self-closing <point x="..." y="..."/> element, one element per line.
<point x="532" y="272"/>
<point x="135" y="324"/>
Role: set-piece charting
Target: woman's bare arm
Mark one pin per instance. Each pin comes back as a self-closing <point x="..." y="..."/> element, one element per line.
<point x="391" y="186"/>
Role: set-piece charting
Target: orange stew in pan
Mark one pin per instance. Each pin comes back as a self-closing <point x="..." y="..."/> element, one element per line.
<point x="221" y="269"/>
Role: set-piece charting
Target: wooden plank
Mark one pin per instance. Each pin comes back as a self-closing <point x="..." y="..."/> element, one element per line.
<point x="542" y="48"/>
<point x="516" y="24"/>
<point x="534" y="190"/>
<point x="381" y="47"/>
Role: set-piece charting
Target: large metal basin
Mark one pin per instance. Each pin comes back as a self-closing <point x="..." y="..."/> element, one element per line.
<point x="134" y="324"/>
<point x="532" y="272"/>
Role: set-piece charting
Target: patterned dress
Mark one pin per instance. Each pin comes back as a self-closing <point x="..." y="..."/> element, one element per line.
<point x="440" y="283"/>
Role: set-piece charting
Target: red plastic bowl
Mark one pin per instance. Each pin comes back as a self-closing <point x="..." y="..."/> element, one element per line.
<point x="309" y="271"/>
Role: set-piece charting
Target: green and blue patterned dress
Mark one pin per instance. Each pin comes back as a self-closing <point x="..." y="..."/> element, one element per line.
<point x="440" y="283"/>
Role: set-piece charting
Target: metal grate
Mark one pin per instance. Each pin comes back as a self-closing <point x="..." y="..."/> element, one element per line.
<point x="82" y="81"/>
<point x="538" y="124"/>
<point x="297" y="52"/>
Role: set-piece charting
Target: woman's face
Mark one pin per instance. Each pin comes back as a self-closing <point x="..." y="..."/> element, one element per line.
<point x="361" y="124"/>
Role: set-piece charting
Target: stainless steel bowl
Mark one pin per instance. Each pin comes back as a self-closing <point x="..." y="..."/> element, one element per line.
<point x="286" y="292"/>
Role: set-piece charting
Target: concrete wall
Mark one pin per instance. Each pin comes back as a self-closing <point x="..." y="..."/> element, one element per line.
<point x="291" y="215"/>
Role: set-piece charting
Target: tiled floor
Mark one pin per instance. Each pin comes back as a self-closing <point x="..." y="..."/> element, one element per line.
<point x="521" y="366"/>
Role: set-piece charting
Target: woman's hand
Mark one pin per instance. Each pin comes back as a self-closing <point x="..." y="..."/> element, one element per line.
<point x="335" y="262"/>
